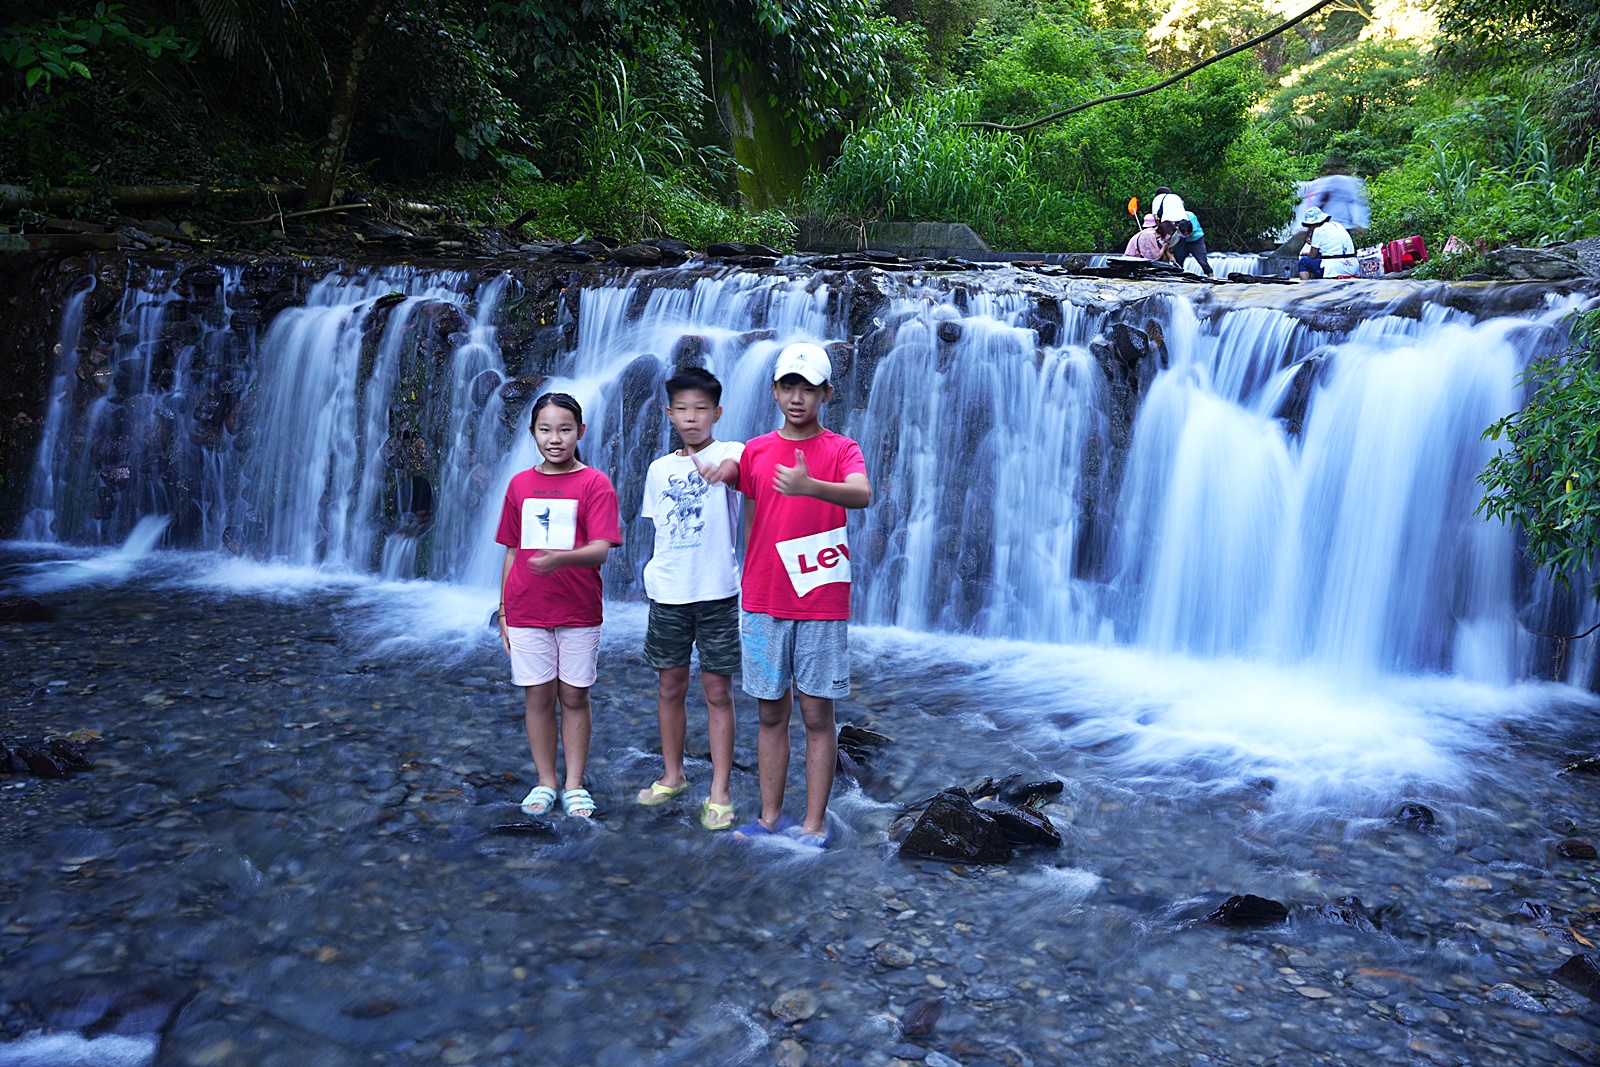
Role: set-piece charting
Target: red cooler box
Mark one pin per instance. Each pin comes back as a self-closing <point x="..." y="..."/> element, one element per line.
<point x="1403" y="254"/>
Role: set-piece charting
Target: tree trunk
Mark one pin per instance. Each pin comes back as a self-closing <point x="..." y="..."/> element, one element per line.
<point x="330" y="157"/>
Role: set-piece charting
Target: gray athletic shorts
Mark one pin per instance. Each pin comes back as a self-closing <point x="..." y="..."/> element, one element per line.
<point x="710" y="625"/>
<point x="813" y="655"/>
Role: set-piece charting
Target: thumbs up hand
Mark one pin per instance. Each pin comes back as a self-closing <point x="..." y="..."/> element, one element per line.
<point x="710" y="473"/>
<point x="795" y="480"/>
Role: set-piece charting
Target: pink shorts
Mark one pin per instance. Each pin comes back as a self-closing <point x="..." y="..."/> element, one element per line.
<point x="540" y="655"/>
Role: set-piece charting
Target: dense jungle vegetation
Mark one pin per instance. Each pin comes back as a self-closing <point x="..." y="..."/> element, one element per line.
<point x="732" y="118"/>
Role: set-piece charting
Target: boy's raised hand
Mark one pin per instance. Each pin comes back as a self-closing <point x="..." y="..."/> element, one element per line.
<point x="795" y="480"/>
<point x="710" y="473"/>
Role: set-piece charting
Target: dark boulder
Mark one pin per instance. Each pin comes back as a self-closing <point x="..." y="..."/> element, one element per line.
<point x="1024" y="793"/>
<point x="1293" y="409"/>
<point x="921" y="1016"/>
<point x="842" y="355"/>
<point x="673" y="251"/>
<point x="389" y="300"/>
<point x="408" y="451"/>
<point x="1130" y="343"/>
<point x="518" y="391"/>
<point x="1023" y="827"/>
<point x="1248" y="910"/>
<point x="1574" y="849"/>
<point x="23" y="609"/>
<point x="1417" y="816"/>
<point x="69" y="753"/>
<point x="690" y="351"/>
<point x="952" y="828"/>
<point x="40" y="762"/>
<point x="637" y="256"/>
<point x="484" y="386"/>
<point x="1580" y="975"/>
<point x="566" y="254"/>
<point x="740" y="249"/>
<point x="949" y="331"/>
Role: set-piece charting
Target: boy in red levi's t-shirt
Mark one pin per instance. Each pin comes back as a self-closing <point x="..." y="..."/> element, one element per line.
<point x="794" y="618"/>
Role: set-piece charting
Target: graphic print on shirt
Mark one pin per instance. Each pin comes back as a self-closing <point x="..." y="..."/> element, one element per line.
<point x="549" y="523"/>
<point x="816" y="560"/>
<point x="685" y="518"/>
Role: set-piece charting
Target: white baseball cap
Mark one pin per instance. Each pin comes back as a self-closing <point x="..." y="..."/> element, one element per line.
<point x="805" y="359"/>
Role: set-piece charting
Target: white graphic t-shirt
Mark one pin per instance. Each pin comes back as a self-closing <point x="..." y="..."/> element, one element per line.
<point x="695" y="523"/>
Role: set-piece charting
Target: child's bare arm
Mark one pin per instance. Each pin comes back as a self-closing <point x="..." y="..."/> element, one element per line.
<point x="505" y="574"/>
<point x="592" y="554"/>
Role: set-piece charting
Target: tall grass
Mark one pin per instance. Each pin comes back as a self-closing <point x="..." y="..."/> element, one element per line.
<point x="914" y="163"/>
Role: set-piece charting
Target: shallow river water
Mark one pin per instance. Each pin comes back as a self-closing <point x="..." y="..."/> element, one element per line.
<point x="285" y="852"/>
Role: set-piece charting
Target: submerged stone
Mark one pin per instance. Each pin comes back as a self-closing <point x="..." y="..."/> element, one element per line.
<point x="1248" y="910"/>
<point x="1023" y="827"/>
<point x="23" y="609"/>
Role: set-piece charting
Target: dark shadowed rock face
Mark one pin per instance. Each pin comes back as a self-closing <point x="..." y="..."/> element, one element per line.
<point x="952" y="828"/>
<point x="1580" y="975"/>
<point x="23" y="609"/>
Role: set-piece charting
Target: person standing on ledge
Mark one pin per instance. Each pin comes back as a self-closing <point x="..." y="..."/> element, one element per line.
<point x="1329" y="252"/>
<point x="1168" y="209"/>
<point x="795" y="613"/>
<point x="558" y="524"/>
<point x="1192" y="242"/>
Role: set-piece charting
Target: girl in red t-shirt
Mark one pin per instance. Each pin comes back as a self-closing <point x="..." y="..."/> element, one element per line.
<point x="558" y="524"/>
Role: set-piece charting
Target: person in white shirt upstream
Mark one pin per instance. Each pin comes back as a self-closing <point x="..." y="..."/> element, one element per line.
<point x="693" y="584"/>
<point x="1330" y="252"/>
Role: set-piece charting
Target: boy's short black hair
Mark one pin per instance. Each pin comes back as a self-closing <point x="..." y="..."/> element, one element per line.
<point x="800" y="379"/>
<point x="686" y="378"/>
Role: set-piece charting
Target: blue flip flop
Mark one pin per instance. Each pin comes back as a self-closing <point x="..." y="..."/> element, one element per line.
<point x="816" y="841"/>
<point x="755" y="828"/>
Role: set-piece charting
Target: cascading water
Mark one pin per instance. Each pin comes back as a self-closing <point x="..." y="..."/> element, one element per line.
<point x="1283" y="491"/>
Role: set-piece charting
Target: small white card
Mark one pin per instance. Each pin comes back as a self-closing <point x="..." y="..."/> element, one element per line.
<point x="549" y="523"/>
<point x="816" y="559"/>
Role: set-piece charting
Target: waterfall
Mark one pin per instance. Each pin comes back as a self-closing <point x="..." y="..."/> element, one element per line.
<point x="1167" y="468"/>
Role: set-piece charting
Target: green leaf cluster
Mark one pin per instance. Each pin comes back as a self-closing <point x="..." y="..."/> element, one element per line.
<point x="1546" y="480"/>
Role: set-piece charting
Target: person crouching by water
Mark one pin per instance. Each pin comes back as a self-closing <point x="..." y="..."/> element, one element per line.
<point x="558" y="523"/>
<point x="1149" y="243"/>
<point x="1330" y="251"/>
<point x="692" y="581"/>
<point x="795" y="612"/>
<point x="1192" y="242"/>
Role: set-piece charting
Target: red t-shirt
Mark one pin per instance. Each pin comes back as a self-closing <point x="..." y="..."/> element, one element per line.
<point x="797" y="564"/>
<point x="556" y="511"/>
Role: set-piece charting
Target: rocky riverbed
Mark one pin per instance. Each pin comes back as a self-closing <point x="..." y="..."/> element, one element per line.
<point x="286" y="853"/>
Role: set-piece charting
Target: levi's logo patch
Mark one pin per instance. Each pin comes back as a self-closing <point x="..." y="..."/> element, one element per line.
<point x="816" y="559"/>
<point x="549" y="522"/>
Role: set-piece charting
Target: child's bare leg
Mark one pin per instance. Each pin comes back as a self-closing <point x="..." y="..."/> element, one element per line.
<point x="576" y="725"/>
<point x="772" y="751"/>
<point x="719" y="719"/>
<point x="539" y="712"/>
<point x="670" y="694"/>
<point x="822" y="752"/>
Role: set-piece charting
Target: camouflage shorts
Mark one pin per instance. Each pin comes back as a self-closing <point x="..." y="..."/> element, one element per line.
<point x="710" y="625"/>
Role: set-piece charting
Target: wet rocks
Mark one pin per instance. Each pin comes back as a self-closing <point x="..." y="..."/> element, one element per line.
<point x="858" y="746"/>
<point x="1580" y="975"/>
<point x="795" y="1005"/>
<point x="1346" y="911"/>
<point x="690" y="351"/>
<point x="1246" y="910"/>
<point x="1129" y="343"/>
<point x="1023" y="827"/>
<point x="23" y="609"/>
<point x="1537" y="264"/>
<point x="640" y="255"/>
<point x="953" y="828"/>
<point x="518" y="391"/>
<point x="1575" y="849"/>
<point x="55" y="757"/>
<point x="1418" y="817"/>
<point x="949" y="331"/>
<point x="921" y="1016"/>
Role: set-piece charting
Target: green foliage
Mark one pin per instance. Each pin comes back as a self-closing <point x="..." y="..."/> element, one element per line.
<point x="62" y="48"/>
<point x="1488" y="173"/>
<point x="1547" y="478"/>
<point x="915" y="163"/>
<point x="1357" y="102"/>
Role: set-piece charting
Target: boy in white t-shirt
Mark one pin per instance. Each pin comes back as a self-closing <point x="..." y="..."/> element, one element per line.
<point x="692" y="580"/>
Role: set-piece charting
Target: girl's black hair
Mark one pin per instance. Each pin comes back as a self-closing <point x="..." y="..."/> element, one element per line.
<point x="565" y="401"/>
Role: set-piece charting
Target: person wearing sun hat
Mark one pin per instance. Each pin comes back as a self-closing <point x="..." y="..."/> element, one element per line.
<point x="1330" y="251"/>
<point x="795" y="609"/>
